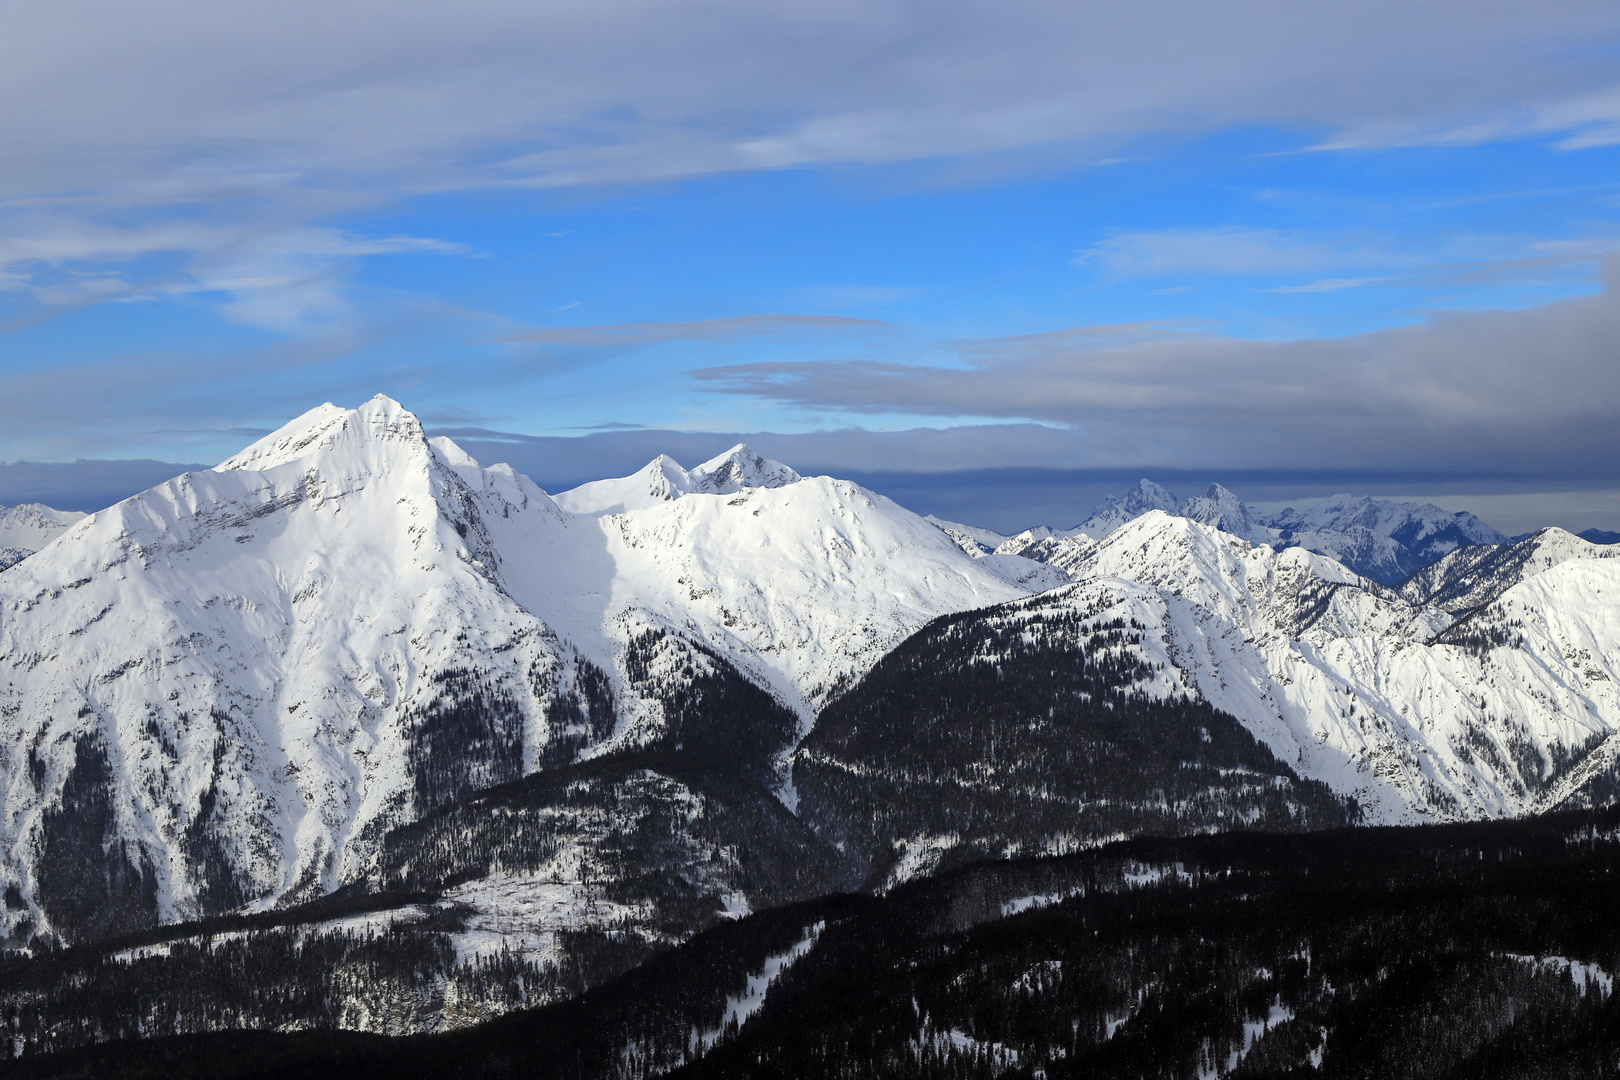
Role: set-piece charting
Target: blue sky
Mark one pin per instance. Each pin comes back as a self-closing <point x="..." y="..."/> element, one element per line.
<point x="1363" y="248"/>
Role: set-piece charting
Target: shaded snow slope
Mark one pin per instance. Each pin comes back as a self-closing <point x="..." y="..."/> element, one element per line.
<point x="1382" y="539"/>
<point x="969" y="538"/>
<point x="1415" y="714"/>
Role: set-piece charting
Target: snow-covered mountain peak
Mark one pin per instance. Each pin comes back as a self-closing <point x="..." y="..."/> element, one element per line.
<point x="1378" y="538"/>
<point x="1147" y="493"/>
<point x="452" y="453"/>
<point x="662" y="480"/>
<point x="1416" y="526"/>
<point x="1220" y="508"/>
<point x="328" y="430"/>
<point x="802" y="585"/>
<point x="738" y="468"/>
<point x="1473" y="576"/>
<point x="259" y="657"/>
<point x="1113" y="512"/>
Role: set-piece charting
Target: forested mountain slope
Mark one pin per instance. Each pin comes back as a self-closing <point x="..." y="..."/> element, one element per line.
<point x="1037" y="726"/>
<point x="1460" y="952"/>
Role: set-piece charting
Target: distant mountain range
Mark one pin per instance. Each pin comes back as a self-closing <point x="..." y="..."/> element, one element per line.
<point x="1381" y="539"/>
<point x="353" y="682"/>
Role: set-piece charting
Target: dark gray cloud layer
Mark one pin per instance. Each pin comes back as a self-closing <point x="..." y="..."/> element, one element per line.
<point x="82" y="485"/>
<point x="1506" y="392"/>
<point x="943" y="471"/>
<point x="931" y="471"/>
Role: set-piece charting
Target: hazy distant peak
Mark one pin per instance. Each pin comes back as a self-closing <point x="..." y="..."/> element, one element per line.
<point x="663" y="479"/>
<point x="1113" y="512"/>
<point x="1222" y="509"/>
<point x="27" y="527"/>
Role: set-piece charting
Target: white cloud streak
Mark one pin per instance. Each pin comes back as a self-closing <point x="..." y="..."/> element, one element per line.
<point x="1328" y="285"/>
<point x="1229" y="250"/>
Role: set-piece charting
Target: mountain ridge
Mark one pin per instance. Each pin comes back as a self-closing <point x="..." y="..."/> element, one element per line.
<point x="227" y="689"/>
<point x="350" y="661"/>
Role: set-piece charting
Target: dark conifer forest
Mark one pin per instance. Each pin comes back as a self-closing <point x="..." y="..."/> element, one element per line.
<point x="1480" y="950"/>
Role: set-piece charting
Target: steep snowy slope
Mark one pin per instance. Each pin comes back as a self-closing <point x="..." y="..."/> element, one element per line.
<point x="1062" y="552"/>
<point x="802" y="585"/>
<point x="1389" y="700"/>
<point x="220" y="691"/>
<point x="27" y="527"/>
<point x="969" y="538"/>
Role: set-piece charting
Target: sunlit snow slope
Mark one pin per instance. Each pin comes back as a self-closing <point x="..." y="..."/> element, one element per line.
<point x="218" y="691"/>
<point x="804" y="583"/>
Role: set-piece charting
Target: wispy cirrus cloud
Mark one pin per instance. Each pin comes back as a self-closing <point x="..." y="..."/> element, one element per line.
<point x="734" y="328"/>
<point x="1328" y="285"/>
<point x="133" y="128"/>
<point x="278" y="277"/>
<point x="1238" y="252"/>
<point x="1230" y="250"/>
